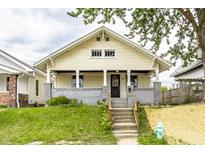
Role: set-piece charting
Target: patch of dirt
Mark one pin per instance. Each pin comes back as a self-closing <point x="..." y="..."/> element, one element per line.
<point x="35" y="143"/>
<point x="185" y="123"/>
<point x="68" y="142"/>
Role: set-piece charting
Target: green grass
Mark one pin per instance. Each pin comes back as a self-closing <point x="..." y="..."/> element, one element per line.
<point x="49" y="125"/>
<point x="146" y="135"/>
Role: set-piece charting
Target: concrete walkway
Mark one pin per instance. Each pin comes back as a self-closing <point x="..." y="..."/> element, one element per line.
<point x="127" y="141"/>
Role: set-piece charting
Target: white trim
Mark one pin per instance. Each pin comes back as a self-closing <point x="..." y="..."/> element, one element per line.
<point x="9" y="70"/>
<point x="128" y="78"/>
<point x="17" y="91"/>
<point x="48" y="78"/>
<point x="105" y="77"/>
<point x="9" y="57"/>
<point x="77" y="77"/>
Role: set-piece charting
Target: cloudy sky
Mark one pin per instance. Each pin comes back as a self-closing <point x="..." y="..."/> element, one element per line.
<point x="31" y="34"/>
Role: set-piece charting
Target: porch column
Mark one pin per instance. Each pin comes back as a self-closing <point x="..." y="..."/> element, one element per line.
<point x="48" y="86"/>
<point x="157" y="73"/>
<point x="77" y="79"/>
<point x="105" y="77"/>
<point x="128" y="78"/>
<point x="48" y="75"/>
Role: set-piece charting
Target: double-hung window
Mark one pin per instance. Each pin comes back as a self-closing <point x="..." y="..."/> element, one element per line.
<point x="96" y="53"/>
<point x="109" y="52"/>
<point x="81" y="81"/>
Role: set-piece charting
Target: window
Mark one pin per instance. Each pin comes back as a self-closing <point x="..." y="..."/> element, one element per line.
<point x="134" y="81"/>
<point x="109" y="52"/>
<point x="98" y="39"/>
<point x="37" y="87"/>
<point x="7" y="83"/>
<point x="107" y="39"/>
<point x="96" y="53"/>
<point x="80" y="81"/>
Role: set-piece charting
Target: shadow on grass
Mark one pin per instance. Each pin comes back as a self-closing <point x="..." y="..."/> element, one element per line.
<point x="146" y="134"/>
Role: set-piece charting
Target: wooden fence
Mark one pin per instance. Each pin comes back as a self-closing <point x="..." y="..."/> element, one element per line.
<point x="183" y="94"/>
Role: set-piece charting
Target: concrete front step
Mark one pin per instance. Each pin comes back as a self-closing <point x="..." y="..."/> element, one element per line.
<point x="125" y="136"/>
<point x="120" y="105"/>
<point x="121" y="109"/>
<point x="124" y="132"/>
<point x="121" y="100"/>
<point x="124" y="120"/>
<point x="124" y="126"/>
<point x="123" y="113"/>
<point x="119" y="117"/>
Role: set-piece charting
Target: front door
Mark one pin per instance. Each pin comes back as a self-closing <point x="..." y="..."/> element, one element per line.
<point x="115" y="85"/>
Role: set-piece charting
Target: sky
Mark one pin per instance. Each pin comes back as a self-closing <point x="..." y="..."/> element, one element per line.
<point x="31" y="34"/>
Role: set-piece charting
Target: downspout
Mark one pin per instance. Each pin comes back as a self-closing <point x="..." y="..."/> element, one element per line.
<point x="17" y="95"/>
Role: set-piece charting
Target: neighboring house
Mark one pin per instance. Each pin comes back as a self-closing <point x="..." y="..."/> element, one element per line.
<point x="20" y="84"/>
<point x="192" y="72"/>
<point x="100" y="63"/>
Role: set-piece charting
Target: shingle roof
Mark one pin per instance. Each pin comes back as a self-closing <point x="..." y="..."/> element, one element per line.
<point x="181" y="69"/>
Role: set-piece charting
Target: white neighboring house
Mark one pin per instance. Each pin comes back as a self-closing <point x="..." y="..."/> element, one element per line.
<point x="20" y="84"/>
<point x="191" y="73"/>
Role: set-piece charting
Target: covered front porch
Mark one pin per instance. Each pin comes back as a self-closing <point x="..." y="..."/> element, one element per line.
<point x="91" y="86"/>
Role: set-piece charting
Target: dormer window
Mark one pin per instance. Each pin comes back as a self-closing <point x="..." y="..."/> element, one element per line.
<point x="109" y="52"/>
<point x="98" y="39"/>
<point x="96" y="53"/>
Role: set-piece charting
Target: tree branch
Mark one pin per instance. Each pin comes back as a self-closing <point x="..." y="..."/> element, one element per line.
<point x="189" y="16"/>
<point x="201" y="18"/>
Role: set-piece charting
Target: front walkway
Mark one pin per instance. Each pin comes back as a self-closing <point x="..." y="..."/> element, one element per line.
<point x="128" y="141"/>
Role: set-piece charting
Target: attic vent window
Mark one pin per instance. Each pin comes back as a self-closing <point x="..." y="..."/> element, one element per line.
<point x="96" y="53"/>
<point x="109" y="52"/>
<point x="107" y="39"/>
<point x="98" y="39"/>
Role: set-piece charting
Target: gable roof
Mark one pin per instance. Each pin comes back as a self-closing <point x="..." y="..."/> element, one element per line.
<point x="25" y="67"/>
<point x="86" y="37"/>
<point x="181" y="70"/>
<point x="16" y="61"/>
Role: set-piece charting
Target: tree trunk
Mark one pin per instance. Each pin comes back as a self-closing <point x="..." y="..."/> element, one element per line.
<point x="202" y="46"/>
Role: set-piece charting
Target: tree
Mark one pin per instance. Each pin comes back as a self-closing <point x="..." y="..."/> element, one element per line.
<point x="155" y="26"/>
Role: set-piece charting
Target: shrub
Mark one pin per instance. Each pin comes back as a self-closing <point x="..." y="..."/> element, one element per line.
<point x="62" y="100"/>
<point x="105" y="123"/>
<point x="3" y="106"/>
<point x="73" y="102"/>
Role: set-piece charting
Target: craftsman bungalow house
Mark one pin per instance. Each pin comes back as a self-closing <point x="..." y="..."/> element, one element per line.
<point x="101" y="63"/>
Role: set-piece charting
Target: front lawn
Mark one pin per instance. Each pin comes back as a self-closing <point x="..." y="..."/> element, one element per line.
<point x="53" y="125"/>
<point x="184" y="124"/>
<point x="146" y="133"/>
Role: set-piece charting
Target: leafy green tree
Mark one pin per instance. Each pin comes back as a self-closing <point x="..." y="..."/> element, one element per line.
<point x="155" y="26"/>
<point x="164" y="88"/>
